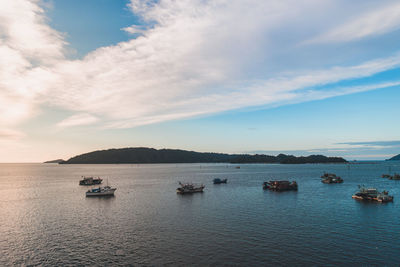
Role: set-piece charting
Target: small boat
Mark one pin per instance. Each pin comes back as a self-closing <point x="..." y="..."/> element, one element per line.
<point x="101" y="191"/>
<point x="220" y="181"/>
<point x="188" y="188"/>
<point x="372" y="194"/>
<point x="387" y="176"/>
<point x="280" y="185"/>
<point x="395" y="176"/>
<point x="331" y="178"/>
<point x="237" y="167"/>
<point x="90" y="180"/>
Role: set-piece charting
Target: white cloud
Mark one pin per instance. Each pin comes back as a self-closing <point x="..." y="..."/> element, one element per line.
<point x="198" y="57"/>
<point x="78" y="120"/>
<point x="27" y="47"/>
<point x="134" y="29"/>
<point x="379" y="21"/>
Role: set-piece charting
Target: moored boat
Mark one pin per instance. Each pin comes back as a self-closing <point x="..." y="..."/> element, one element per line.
<point x="280" y="185"/>
<point x="90" y="180"/>
<point x="331" y="178"/>
<point x="101" y="191"/>
<point x="372" y="194"/>
<point x="188" y="188"/>
<point x="220" y="181"/>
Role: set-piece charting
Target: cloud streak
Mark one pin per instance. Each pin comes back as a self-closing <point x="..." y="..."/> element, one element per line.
<point x="371" y="23"/>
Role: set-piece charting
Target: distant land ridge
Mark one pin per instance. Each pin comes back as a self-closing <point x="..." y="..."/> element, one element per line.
<point x="395" y="157"/>
<point x="54" y="161"/>
<point x="139" y="155"/>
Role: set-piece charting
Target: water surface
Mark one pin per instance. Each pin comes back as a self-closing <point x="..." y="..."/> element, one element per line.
<point x="45" y="218"/>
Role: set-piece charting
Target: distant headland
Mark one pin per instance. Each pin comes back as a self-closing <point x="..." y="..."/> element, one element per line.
<point x="142" y="155"/>
<point x="395" y="157"/>
<point x="55" y="161"/>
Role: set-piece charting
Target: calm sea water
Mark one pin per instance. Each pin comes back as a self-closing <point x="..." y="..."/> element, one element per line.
<point x="45" y="218"/>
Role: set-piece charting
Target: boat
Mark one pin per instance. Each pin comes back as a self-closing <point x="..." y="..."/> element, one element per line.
<point x="372" y="194"/>
<point x="389" y="176"/>
<point x="90" y="180"/>
<point x="395" y="176"/>
<point x="220" y="181"/>
<point x="237" y="167"/>
<point x="331" y="178"/>
<point x="189" y="188"/>
<point x="101" y="191"/>
<point x="280" y="185"/>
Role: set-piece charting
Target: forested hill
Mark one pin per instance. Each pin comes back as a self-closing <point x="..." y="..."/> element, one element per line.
<point x="395" y="157"/>
<point x="150" y="155"/>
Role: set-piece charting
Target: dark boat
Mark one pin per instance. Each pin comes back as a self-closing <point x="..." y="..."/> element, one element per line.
<point x="189" y="188"/>
<point x="220" y="181"/>
<point x="280" y="185"/>
<point x="331" y="178"/>
<point x="90" y="181"/>
<point x="395" y="176"/>
<point x="371" y="194"/>
<point x="387" y="176"/>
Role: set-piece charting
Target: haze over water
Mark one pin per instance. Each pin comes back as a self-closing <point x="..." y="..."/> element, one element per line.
<point x="45" y="218"/>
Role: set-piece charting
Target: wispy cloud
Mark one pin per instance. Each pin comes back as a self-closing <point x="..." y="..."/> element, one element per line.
<point x="134" y="29"/>
<point x="78" y="120"/>
<point x="395" y="143"/>
<point x="378" y="21"/>
<point x="8" y="134"/>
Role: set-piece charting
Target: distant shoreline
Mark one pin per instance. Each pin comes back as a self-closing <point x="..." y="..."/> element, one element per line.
<point x="144" y="155"/>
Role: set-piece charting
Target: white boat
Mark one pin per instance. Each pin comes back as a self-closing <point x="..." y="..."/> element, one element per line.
<point x="101" y="191"/>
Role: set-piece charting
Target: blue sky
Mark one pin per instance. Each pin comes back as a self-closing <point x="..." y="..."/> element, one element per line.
<point x="298" y="77"/>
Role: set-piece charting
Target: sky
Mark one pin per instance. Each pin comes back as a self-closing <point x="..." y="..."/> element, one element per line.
<point x="276" y="76"/>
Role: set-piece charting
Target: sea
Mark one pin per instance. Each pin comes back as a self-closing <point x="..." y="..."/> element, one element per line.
<point x="46" y="220"/>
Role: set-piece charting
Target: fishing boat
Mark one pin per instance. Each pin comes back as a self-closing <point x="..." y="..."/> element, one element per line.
<point x="189" y="188"/>
<point x="90" y="180"/>
<point x="372" y="194"/>
<point x="101" y="191"/>
<point x="280" y="185"/>
<point x="389" y="176"/>
<point x="331" y="178"/>
<point x="220" y="181"/>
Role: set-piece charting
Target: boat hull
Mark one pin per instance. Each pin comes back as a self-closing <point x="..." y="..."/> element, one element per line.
<point x="376" y="199"/>
<point x="197" y="190"/>
<point x="101" y="194"/>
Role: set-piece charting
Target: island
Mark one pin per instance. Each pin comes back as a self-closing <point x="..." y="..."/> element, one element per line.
<point x="395" y="157"/>
<point x="142" y="155"/>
